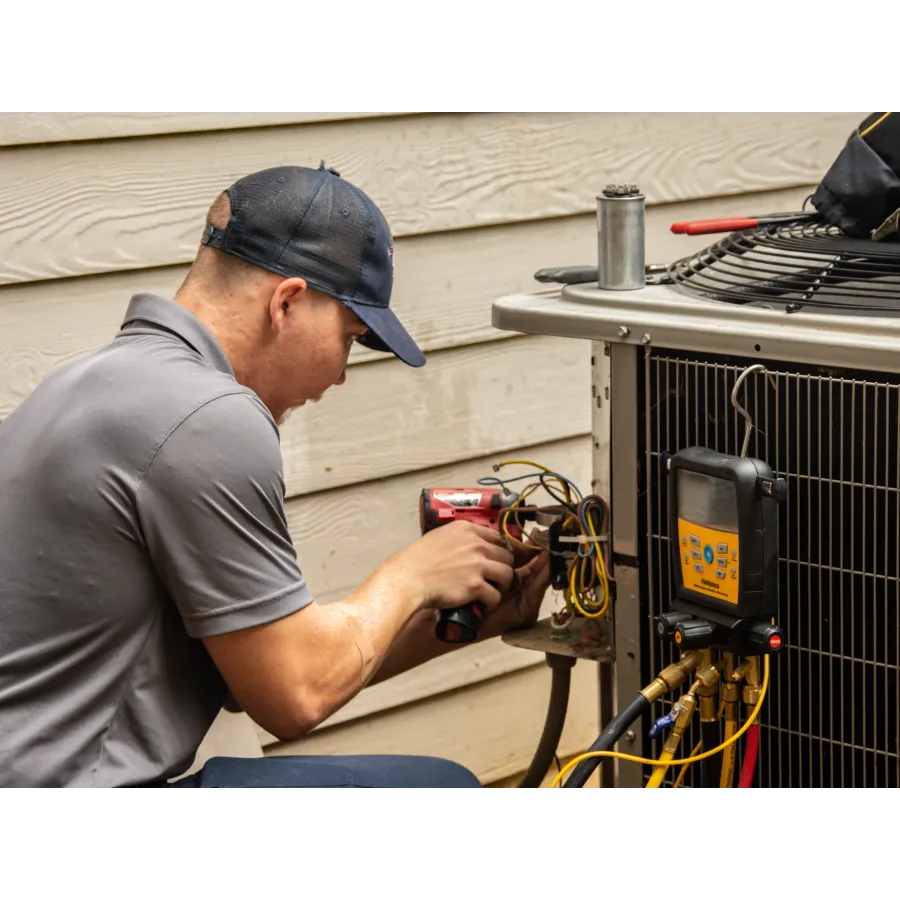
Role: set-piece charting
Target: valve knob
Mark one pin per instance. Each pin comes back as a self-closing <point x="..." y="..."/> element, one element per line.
<point x="696" y="634"/>
<point x="764" y="637"/>
<point x="665" y="624"/>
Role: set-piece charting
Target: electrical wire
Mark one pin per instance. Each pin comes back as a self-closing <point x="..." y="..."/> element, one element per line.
<point x="568" y="488"/>
<point x="567" y="485"/>
<point x="874" y="125"/>
<point x="587" y="577"/>
<point x="562" y="501"/>
<point x="675" y="762"/>
<point x="493" y="481"/>
<point x="591" y="559"/>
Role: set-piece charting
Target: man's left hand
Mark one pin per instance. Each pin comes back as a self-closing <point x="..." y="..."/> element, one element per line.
<point x="521" y="603"/>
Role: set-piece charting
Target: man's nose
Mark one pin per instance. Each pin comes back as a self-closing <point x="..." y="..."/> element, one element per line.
<point x="343" y="377"/>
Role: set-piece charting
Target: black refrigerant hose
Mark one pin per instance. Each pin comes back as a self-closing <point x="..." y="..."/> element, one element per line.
<point x="561" y="666"/>
<point x="607" y="740"/>
<point x="711" y="767"/>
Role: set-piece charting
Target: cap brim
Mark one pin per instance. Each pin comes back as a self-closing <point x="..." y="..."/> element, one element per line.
<point x="387" y="334"/>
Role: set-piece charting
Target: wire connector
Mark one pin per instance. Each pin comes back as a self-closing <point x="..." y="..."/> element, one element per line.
<point x="584" y="539"/>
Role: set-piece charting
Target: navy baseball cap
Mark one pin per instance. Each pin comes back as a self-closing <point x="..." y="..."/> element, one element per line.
<point x="312" y="224"/>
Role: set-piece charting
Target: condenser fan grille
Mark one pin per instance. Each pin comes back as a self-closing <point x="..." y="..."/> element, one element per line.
<point x="795" y="267"/>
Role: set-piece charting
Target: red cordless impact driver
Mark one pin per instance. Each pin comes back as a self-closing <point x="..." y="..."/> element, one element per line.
<point x="480" y="506"/>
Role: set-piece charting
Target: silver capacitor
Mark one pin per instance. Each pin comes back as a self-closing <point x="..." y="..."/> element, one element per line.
<point x="620" y="236"/>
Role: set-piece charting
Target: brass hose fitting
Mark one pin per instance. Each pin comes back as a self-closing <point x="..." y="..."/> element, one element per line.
<point x="708" y="691"/>
<point x="688" y="704"/>
<point x="741" y="672"/>
<point x="731" y="696"/>
<point x="731" y="688"/>
<point x="672" y="677"/>
<point x="752" y="687"/>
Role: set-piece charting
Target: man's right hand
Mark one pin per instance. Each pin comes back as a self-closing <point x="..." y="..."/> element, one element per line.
<point x="456" y="564"/>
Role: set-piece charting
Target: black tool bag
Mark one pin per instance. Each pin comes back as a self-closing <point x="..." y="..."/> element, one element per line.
<point x="861" y="190"/>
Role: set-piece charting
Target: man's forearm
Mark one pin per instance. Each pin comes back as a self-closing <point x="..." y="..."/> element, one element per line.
<point x="416" y="644"/>
<point x="374" y="625"/>
<point x="309" y="664"/>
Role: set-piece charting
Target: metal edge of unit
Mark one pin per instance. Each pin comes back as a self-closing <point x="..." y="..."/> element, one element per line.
<point x="600" y="484"/>
<point x="662" y="317"/>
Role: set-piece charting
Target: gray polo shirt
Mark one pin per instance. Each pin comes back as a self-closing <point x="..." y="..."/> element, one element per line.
<point x="141" y="509"/>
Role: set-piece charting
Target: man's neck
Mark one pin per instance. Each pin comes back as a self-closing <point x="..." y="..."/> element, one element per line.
<point x="226" y="318"/>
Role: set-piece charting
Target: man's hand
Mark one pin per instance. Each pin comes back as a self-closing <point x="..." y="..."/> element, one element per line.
<point x="521" y="603"/>
<point x="456" y="564"/>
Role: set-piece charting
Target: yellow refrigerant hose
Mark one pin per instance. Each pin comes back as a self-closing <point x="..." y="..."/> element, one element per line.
<point x="659" y="772"/>
<point x="726" y="780"/>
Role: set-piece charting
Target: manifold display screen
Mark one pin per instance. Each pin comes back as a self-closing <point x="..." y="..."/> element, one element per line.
<point x="707" y="501"/>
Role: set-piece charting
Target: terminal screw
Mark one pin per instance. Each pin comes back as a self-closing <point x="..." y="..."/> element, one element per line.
<point x="624" y="331"/>
<point x="621" y="190"/>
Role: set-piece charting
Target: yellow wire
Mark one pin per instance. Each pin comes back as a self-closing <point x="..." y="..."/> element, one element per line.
<point x="674" y="762"/>
<point x="574" y="595"/>
<point x="686" y="766"/>
<point x="874" y="125"/>
<point x="505" y="526"/>
<point x="600" y="568"/>
<point x="581" y="565"/>
<point x="523" y="462"/>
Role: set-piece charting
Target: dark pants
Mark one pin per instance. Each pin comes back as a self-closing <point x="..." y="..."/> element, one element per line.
<point x="330" y="772"/>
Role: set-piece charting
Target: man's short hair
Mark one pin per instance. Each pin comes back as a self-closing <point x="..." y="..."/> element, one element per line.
<point x="216" y="269"/>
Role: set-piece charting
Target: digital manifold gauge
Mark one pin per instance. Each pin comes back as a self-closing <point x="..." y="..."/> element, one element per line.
<point x="723" y="527"/>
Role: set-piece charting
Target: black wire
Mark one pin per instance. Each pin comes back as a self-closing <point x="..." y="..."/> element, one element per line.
<point x="559" y="499"/>
<point x="493" y="479"/>
<point x="558" y="763"/>
<point x="490" y="480"/>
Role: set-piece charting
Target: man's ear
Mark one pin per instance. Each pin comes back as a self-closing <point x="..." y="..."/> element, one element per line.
<point x="284" y="299"/>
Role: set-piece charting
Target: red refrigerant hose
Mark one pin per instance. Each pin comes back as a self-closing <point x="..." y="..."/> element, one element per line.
<point x="751" y="752"/>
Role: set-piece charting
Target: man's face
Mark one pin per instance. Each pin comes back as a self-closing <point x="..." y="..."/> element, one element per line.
<point x="311" y="345"/>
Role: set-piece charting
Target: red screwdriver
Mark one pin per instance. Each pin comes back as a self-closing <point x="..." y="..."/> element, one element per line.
<point x="736" y="223"/>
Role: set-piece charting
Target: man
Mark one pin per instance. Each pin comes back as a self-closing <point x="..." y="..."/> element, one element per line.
<point x="146" y="569"/>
